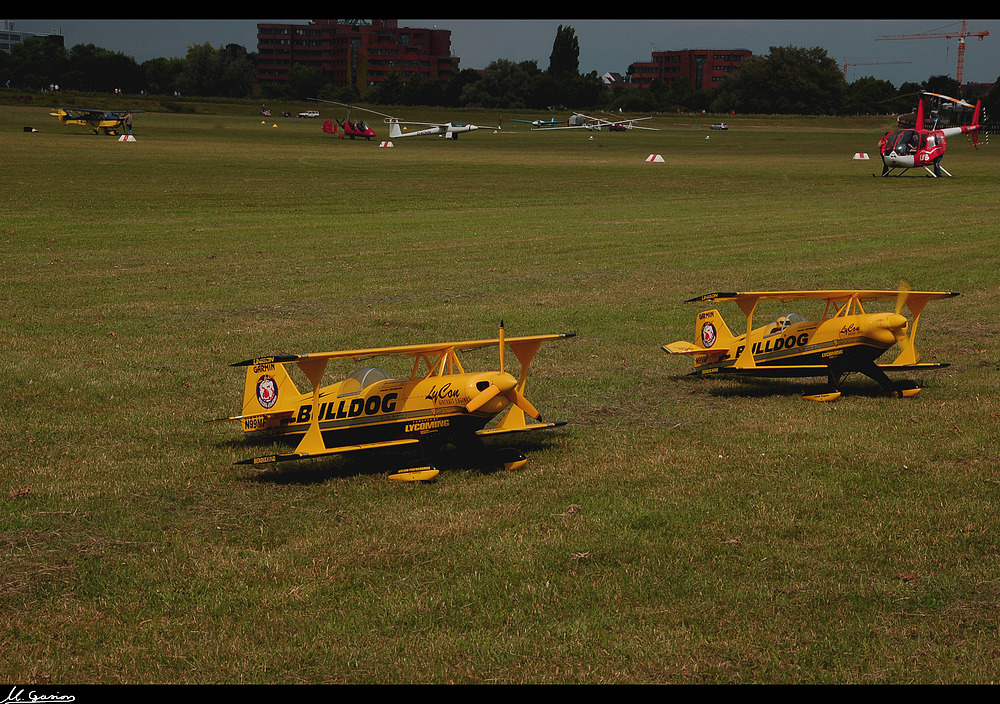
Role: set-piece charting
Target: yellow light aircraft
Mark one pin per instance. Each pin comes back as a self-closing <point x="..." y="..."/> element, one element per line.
<point x="106" y="121"/>
<point x="369" y="410"/>
<point x="846" y="339"/>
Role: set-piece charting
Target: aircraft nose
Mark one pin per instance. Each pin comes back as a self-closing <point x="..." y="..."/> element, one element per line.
<point x="494" y="395"/>
<point x="895" y="322"/>
<point x="889" y="321"/>
<point x="885" y="328"/>
<point x="504" y="381"/>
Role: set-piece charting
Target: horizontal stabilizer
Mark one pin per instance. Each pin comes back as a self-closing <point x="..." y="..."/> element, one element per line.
<point x="681" y="347"/>
<point x="684" y="347"/>
<point x="261" y="416"/>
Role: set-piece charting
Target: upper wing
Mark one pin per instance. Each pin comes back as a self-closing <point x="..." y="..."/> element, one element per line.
<point x="79" y="113"/>
<point x="408" y="350"/>
<point x="91" y="113"/>
<point x="829" y="295"/>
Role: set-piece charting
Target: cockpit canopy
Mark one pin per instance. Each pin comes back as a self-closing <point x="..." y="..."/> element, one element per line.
<point x="783" y="321"/>
<point x="362" y="379"/>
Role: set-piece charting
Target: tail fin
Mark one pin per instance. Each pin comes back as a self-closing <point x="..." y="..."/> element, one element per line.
<point x="270" y="398"/>
<point x="920" y="115"/>
<point x="711" y="331"/>
<point x="711" y="337"/>
<point x="394" y="131"/>
<point x="974" y="128"/>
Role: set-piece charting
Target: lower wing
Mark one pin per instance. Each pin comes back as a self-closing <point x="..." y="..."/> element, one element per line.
<point x="533" y="426"/>
<point x="288" y="456"/>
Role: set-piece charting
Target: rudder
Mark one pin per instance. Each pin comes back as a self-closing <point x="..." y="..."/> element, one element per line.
<point x="711" y="330"/>
<point x="270" y="398"/>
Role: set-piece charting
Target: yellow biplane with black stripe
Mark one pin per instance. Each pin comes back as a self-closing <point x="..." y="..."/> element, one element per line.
<point x="107" y="121"/>
<point x="439" y="403"/>
<point x="845" y="339"/>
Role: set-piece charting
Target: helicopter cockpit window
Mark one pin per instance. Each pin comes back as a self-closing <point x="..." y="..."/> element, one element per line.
<point x="906" y="143"/>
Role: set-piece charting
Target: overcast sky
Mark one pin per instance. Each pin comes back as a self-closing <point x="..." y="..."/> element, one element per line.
<point x="605" y="45"/>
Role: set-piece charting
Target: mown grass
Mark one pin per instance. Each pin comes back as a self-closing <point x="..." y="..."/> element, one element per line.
<point x="677" y="530"/>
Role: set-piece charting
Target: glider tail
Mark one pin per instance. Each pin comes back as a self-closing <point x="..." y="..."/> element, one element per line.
<point x="394" y="131"/>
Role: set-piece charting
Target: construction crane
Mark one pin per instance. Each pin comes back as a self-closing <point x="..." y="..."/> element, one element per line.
<point x="935" y="34"/>
<point x="872" y="63"/>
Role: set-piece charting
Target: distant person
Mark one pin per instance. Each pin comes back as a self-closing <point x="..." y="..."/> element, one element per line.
<point x="128" y="122"/>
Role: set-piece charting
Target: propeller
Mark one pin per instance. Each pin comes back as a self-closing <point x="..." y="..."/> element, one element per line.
<point x="902" y="339"/>
<point x="504" y="383"/>
<point x="904" y="292"/>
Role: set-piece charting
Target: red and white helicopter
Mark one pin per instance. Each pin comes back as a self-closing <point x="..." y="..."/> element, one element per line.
<point x="909" y="147"/>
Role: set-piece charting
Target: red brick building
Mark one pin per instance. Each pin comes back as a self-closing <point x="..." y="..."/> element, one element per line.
<point x="704" y="68"/>
<point x="355" y="53"/>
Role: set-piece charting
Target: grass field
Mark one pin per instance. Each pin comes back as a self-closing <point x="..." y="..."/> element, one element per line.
<point x="675" y="531"/>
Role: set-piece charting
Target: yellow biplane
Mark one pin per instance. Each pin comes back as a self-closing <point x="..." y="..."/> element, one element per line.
<point x="846" y="339"/>
<point x="440" y="403"/>
<point x="107" y="121"/>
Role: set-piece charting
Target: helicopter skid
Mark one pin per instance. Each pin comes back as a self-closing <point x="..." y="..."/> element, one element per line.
<point x="934" y="175"/>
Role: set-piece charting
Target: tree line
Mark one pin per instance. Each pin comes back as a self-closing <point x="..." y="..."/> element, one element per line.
<point x="787" y="80"/>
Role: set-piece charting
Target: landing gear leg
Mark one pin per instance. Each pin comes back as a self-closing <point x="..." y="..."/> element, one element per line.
<point x="899" y="389"/>
<point x="831" y="392"/>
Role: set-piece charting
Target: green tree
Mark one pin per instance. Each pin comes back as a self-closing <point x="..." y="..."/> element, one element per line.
<point x="789" y="80"/>
<point x="454" y="87"/>
<point x="991" y="101"/>
<point x="92" y="68"/>
<point x="35" y="64"/>
<point x="303" y="82"/>
<point x="388" y="92"/>
<point x="544" y="92"/>
<point x="868" y="95"/>
<point x="565" y="57"/>
<point x="237" y="74"/>
<point x="503" y="84"/>
<point x="161" y="74"/>
<point x="227" y="71"/>
<point x="944" y="85"/>
<point x="201" y="70"/>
